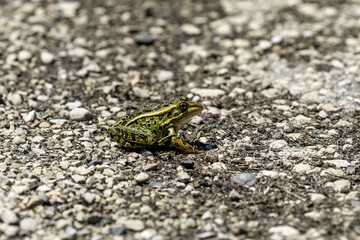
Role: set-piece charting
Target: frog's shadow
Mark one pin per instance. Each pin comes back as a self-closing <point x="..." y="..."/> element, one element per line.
<point x="159" y="149"/>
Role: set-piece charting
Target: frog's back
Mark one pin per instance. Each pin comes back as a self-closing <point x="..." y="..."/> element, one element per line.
<point x="127" y="119"/>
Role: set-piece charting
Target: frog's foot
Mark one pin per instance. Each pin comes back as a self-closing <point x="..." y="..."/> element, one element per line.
<point x="185" y="147"/>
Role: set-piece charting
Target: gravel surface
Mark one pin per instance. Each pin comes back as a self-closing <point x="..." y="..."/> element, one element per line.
<point x="280" y="84"/>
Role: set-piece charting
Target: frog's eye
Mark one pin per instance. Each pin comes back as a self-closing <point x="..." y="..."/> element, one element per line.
<point x="183" y="106"/>
<point x="184" y="99"/>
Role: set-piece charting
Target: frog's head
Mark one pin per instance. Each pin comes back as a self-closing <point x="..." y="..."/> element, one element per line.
<point x="182" y="111"/>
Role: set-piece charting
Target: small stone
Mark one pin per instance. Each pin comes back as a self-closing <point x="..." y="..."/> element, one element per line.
<point x="206" y="235"/>
<point x="141" y="93"/>
<point x="134" y="225"/>
<point x="108" y="172"/>
<point x="338" y="163"/>
<point x="24" y="55"/>
<point x="265" y="44"/>
<point x="244" y="179"/>
<point x="207" y="215"/>
<point x="70" y="233"/>
<point x="142" y="177"/>
<point x="218" y="166"/>
<point x="9" y="217"/>
<point x="350" y="170"/>
<point x="80" y="114"/>
<point x="164" y="76"/>
<point x="332" y="172"/>
<point x="30" y="116"/>
<point x="47" y="57"/>
<point x="323" y="114"/>
<point x="234" y="195"/>
<point x="78" y="178"/>
<point x="317" y="197"/>
<point x="307" y="34"/>
<point x="302" y="168"/>
<point x="337" y="64"/>
<point x="9" y="230"/>
<point x="341" y="185"/>
<point x="68" y="8"/>
<point x="150" y="167"/>
<point x="38" y="139"/>
<point x="28" y="225"/>
<point x="116" y="230"/>
<point x="19" y="140"/>
<point x="14" y="98"/>
<point x="89" y="197"/>
<point x="343" y="123"/>
<point x="204" y="92"/>
<point x="184" y="176"/>
<point x="300" y="120"/>
<point x="147" y="234"/>
<point x="155" y="184"/>
<point x="284" y="231"/>
<point x="95" y="161"/>
<point x="190" y="29"/>
<point x="144" y="39"/>
<point x="278" y="145"/>
<point x="276" y="39"/>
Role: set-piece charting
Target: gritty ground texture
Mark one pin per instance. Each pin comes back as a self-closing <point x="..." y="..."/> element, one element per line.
<point x="281" y="87"/>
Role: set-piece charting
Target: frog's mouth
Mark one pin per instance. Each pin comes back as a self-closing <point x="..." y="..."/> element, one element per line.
<point x="194" y="110"/>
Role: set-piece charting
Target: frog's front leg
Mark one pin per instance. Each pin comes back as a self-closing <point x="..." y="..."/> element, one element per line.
<point x="141" y="136"/>
<point x="179" y="144"/>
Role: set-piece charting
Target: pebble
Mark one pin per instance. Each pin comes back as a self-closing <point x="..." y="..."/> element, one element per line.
<point x="301" y="120"/>
<point x="30" y="116"/>
<point x="190" y="29"/>
<point x="14" y="98"/>
<point x="278" y="145"/>
<point x="164" y="76"/>
<point x="9" y="230"/>
<point x="116" y="230"/>
<point x="317" y="197"/>
<point x="265" y="44"/>
<point x="284" y="231"/>
<point x="155" y="184"/>
<point x="144" y="39"/>
<point x="183" y="176"/>
<point x="134" y="225"/>
<point x="276" y="39"/>
<point x="207" y="92"/>
<point x="28" y="225"/>
<point x="141" y="93"/>
<point x="244" y="179"/>
<point x="78" y="178"/>
<point x="80" y="114"/>
<point x="89" y="197"/>
<point x="323" y="114"/>
<point x="9" y="217"/>
<point x="142" y="177"/>
<point x="338" y="163"/>
<point x="234" y="195"/>
<point x="342" y="185"/>
<point x="302" y="168"/>
<point x="24" y="55"/>
<point x="47" y="57"/>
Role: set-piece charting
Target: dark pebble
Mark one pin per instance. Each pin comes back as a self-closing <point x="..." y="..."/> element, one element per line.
<point x="94" y="220"/>
<point x="154" y="184"/>
<point x="117" y="230"/>
<point x="188" y="164"/>
<point x="95" y="161"/>
<point x="46" y="200"/>
<point x="144" y="39"/>
<point x="146" y="152"/>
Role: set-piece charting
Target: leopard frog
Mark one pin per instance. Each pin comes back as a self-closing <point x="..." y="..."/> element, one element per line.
<point x="156" y="126"/>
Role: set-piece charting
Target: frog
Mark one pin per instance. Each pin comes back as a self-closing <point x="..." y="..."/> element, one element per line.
<point x="156" y="126"/>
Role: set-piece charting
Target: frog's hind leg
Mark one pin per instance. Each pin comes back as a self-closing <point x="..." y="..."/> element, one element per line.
<point x="136" y="135"/>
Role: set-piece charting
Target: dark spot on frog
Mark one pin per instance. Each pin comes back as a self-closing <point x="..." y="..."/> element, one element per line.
<point x="133" y="136"/>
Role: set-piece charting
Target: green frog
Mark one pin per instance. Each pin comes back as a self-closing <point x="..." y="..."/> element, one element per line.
<point x="156" y="126"/>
